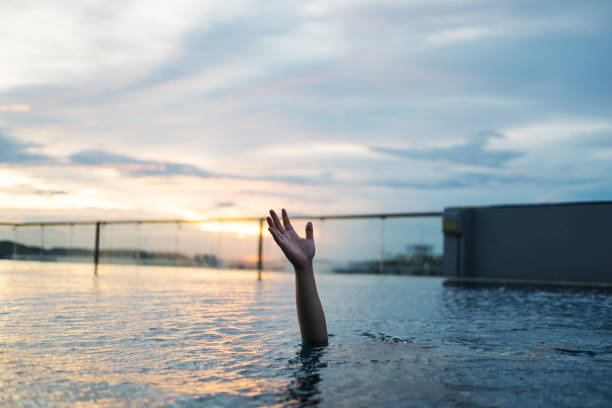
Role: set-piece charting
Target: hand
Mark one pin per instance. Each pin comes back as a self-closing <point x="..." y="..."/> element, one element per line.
<point x="299" y="251"/>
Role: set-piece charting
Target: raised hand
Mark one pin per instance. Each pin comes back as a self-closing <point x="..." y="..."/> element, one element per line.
<point x="299" y="251"/>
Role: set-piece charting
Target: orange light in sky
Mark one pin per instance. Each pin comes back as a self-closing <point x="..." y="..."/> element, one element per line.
<point x="250" y="258"/>
<point x="241" y="229"/>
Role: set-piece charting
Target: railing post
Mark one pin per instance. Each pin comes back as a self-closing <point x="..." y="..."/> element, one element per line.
<point x="97" y="248"/>
<point x="176" y="242"/>
<point x="14" y="242"/>
<point x="381" y="262"/>
<point x="138" y="243"/>
<point x="42" y="242"/>
<point x="260" y="250"/>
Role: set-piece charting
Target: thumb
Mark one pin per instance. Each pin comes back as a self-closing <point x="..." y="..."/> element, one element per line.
<point x="309" y="233"/>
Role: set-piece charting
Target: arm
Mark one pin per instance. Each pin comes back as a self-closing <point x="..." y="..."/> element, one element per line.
<point x="300" y="251"/>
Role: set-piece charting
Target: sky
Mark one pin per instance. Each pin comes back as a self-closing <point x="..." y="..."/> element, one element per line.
<point x="195" y="109"/>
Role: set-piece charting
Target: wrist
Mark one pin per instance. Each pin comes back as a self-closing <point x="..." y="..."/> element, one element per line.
<point x="303" y="268"/>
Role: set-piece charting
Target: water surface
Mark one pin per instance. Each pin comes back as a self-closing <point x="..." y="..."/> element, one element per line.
<point x="146" y="336"/>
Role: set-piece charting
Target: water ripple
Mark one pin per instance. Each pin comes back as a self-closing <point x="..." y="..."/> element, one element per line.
<point x="136" y="336"/>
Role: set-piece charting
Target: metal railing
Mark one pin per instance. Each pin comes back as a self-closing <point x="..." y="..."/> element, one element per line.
<point x="99" y="226"/>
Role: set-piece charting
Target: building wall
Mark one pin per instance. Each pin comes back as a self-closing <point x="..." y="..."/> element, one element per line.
<point x="561" y="242"/>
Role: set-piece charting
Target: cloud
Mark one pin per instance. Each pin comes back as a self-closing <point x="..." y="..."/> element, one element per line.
<point x="552" y="132"/>
<point x="471" y="152"/>
<point x="324" y="178"/>
<point x="16" y="153"/>
<point x="15" y="107"/>
<point x="27" y="189"/>
<point x="144" y="168"/>
<point x="481" y="180"/>
<point x="312" y="149"/>
<point x="136" y="167"/>
<point x="286" y="196"/>
<point x="448" y="37"/>
<point x="227" y="51"/>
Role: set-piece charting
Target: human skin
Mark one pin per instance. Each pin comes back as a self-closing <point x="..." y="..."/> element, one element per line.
<point x="300" y="252"/>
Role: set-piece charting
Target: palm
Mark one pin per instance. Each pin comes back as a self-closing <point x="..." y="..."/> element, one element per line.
<point x="299" y="251"/>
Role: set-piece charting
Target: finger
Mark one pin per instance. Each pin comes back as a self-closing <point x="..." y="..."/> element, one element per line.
<point x="275" y="235"/>
<point x="277" y="223"/>
<point x="309" y="231"/>
<point x="286" y="221"/>
<point x="270" y="223"/>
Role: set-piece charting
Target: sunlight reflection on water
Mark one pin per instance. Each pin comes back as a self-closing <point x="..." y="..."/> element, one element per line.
<point x="147" y="336"/>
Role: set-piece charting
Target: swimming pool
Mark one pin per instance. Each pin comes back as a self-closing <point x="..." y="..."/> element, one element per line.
<point x="146" y="336"/>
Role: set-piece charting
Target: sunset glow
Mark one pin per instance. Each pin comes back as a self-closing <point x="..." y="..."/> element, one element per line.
<point x="240" y="229"/>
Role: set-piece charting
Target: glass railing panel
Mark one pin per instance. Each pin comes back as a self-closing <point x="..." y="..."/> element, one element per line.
<point x="29" y="243"/>
<point x="119" y="244"/>
<point x="390" y="245"/>
<point x="236" y="243"/>
<point x="412" y="246"/>
<point x="349" y="245"/>
<point x="176" y="244"/>
<point x="7" y="236"/>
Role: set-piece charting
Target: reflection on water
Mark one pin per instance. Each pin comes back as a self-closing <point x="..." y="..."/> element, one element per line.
<point x="307" y="364"/>
<point x="143" y="336"/>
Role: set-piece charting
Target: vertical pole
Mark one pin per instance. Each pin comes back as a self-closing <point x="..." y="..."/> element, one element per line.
<point x="321" y="245"/>
<point x="14" y="242"/>
<point x="137" y="255"/>
<point x="218" y="248"/>
<point x="42" y="242"/>
<point x="71" y="236"/>
<point x="70" y="251"/>
<point x="381" y="264"/>
<point x="260" y="250"/>
<point x="97" y="248"/>
<point x="176" y="242"/>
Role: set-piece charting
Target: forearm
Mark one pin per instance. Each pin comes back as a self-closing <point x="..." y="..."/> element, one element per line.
<point x="309" y="310"/>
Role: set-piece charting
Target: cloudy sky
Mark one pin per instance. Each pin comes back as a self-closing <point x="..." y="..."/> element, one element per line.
<point x="124" y="109"/>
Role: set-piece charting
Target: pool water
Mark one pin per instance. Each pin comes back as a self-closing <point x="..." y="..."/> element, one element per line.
<point x="146" y="336"/>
